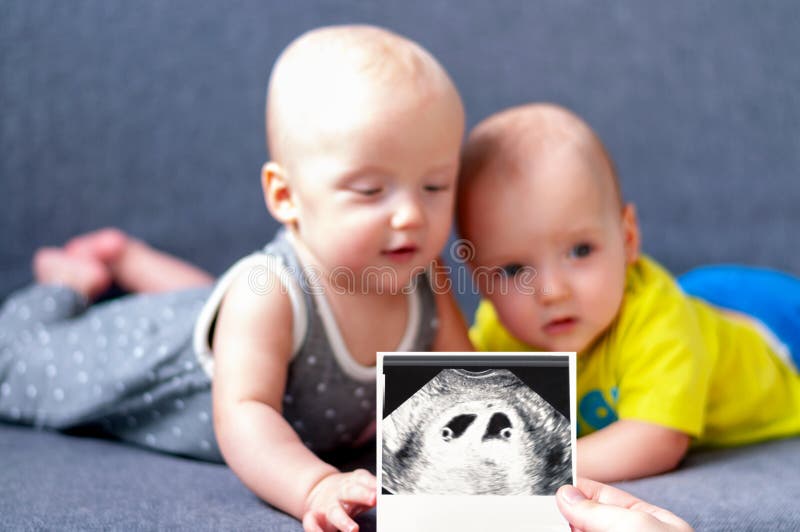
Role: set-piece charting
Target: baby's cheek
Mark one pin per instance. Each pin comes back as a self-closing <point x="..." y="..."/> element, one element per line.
<point x="516" y="315"/>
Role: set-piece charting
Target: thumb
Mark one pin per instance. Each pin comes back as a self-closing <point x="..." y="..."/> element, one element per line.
<point x="591" y="516"/>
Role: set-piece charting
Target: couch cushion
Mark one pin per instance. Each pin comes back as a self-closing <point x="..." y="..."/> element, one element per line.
<point x="57" y="482"/>
<point x="148" y="115"/>
<point x="746" y="488"/>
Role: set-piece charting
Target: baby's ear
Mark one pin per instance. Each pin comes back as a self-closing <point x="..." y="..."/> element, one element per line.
<point x="277" y="193"/>
<point x="630" y="230"/>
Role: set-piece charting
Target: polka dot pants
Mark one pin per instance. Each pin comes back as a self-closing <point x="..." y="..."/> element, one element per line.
<point x="126" y="365"/>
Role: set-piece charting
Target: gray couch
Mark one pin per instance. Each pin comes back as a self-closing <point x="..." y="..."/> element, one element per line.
<point x="148" y="115"/>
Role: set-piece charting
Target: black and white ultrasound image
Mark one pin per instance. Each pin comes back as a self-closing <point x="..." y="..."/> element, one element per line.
<point x="476" y="433"/>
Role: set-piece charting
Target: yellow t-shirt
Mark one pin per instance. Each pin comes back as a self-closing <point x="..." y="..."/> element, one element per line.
<point x="675" y="361"/>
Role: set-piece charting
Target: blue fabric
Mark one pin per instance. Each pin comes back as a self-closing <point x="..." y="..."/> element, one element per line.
<point x="770" y="296"/>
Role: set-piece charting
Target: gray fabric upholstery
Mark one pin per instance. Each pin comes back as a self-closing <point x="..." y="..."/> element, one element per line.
<point x="745" y="488"/>
<point x="56" y="482"/>
<point x="148" y="115"/>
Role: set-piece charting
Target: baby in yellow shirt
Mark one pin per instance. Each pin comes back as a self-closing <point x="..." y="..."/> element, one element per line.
<point x="557" y="258"/>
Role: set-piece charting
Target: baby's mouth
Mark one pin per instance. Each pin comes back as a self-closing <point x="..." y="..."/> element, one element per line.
<point x="560" y="326"/>
<point x="401" y="253"/>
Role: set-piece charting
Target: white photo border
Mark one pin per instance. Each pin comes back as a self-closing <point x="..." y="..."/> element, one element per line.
<point x="432" y="512"/>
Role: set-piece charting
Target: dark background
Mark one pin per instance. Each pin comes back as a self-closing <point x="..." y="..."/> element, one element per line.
<point x="550" y="379"/>
<point x="149" y="115"/>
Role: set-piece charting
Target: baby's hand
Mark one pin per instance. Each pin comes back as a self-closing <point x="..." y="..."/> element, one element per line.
<point x="337" y="498"/>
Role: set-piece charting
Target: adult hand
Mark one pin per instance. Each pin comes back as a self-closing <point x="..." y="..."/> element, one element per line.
<point x="337" y="498"/>
<point x="596" y="507"/>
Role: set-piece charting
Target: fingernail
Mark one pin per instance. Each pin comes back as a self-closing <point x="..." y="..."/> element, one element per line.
<point x="572" y="495"/>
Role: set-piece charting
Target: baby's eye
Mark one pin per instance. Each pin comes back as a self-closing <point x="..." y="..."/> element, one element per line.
<point x="368" y="191"/>
<point x="436" y="188"/>
<point x="581" y="250"/>
<point x="510" y="270"/>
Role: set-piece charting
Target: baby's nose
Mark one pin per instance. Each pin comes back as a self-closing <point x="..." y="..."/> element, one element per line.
<point x="552" y="286"/>
<point x="408" y="213"/>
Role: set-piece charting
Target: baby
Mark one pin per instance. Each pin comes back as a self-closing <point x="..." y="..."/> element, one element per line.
<point x="364" y="130"/>
<point x="557" y="258"/>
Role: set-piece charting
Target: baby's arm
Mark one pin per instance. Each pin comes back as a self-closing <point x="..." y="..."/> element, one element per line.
<point x="252" y="349"/>
<point x="452" y="333"/>
<point x="628" y="449"/>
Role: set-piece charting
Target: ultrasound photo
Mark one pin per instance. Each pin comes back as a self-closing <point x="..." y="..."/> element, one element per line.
<point x="476" y="431"/>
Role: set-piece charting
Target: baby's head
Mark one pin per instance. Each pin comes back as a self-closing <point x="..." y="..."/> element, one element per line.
<point x="364" y="129"/>
<point x="540" y="201"/>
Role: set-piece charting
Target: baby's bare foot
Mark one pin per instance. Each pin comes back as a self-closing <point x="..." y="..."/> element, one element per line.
<point x="85" y="275"/>
<point x="104" y="245"/>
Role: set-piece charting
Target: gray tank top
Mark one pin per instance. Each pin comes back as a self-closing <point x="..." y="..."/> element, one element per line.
<point x="329" y="398"/>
